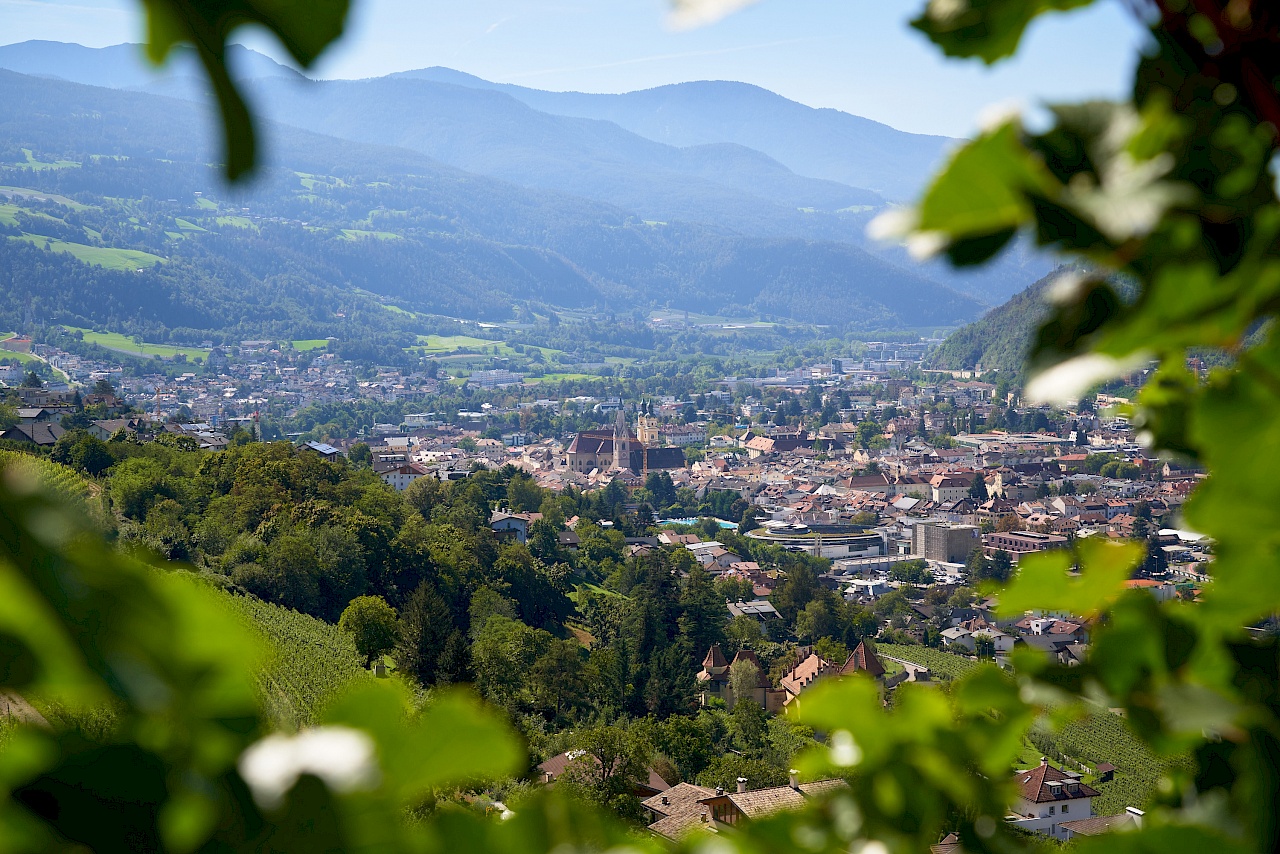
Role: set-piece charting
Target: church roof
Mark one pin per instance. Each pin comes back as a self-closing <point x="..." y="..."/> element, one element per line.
<point x="715" y="658"/>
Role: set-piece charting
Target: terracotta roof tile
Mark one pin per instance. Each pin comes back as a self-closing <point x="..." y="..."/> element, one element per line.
<point x="1034" y="785"/>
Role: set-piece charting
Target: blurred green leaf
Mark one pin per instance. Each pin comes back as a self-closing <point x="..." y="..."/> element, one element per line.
<point x="455" y="741"/>
<point x="304" y="28"/>
<point x="987" y="29"/>
<point x="1045" y="583"/>
<point x="980" y="195"/>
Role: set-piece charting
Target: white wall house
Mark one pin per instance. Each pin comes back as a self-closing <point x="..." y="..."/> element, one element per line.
<point x="1049" y="796"/>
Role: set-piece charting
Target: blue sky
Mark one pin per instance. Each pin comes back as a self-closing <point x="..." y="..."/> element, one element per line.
<point x="854" y="55"/>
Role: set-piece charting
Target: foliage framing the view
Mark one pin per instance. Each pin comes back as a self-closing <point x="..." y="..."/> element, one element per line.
<point x="1172" y="190"/>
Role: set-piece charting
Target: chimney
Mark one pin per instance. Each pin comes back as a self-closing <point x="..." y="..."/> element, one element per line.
<point x="1044" y="760"/>
<point x="666" y="801"/>
<point x="719" y="791"/>
<point x="742" y="785"/>
<point x="795" y="779"/>
<point x="1137" y="815"/>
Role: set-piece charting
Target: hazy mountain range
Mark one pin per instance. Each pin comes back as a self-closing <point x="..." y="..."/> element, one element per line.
<point x="786" y="185"/>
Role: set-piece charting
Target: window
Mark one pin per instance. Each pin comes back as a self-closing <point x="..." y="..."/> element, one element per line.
<point x="1052" y="810"/>
<point x="1066" y="808"/>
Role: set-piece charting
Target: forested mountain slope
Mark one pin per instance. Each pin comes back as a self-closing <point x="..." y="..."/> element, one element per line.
<point x="1001" y="339"/>
<point x="331" y="222"/>
<point x="735" y="158"/>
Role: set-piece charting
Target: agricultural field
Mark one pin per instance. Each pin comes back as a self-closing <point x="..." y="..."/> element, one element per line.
<point x="1105" y="737"/>
<point x="431" y="345"/>
<point x="57" y="478"/>
<point x="101" y="256"/>
<point x="309" y="660"/>
<point x="24" y="193"/>
<point x="943" y="665"/>
<point x="125" y="344"/>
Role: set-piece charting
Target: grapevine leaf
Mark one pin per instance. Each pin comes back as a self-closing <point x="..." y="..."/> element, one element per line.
<point x="980" y="193"/>
<point x="1044" y="583"/>
<point x="304" y="28"/>
<point x="456" y="740"/>
<point x="987" y="29"/>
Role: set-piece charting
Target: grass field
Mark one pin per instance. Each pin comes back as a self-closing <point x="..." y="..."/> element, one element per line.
<point x="24" y="193"/>
<point x="24" y="358"/>
<point x="188" y="225"/>
<point x="305" y="344"/>
<point x="437" y="344"/>
<point x="99" y="256"/>
<point x="206" y="204"/>
<point x="40" y="165"/>
<point x="125" y="344"/>
<point x="356" y="234"/>
<point x="555" y="378"/>
<point x="235" y="221"/>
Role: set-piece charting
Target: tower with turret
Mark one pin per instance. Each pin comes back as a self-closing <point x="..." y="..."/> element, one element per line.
<point x="621" y="441"/>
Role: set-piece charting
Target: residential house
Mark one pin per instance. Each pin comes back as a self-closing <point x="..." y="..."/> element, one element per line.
<point x="402" y="475"/>
<point x="38" y="433"/>
<point x="1048" y="796"/>
<point x="514" y="526"/>
<point x="687" y="809"/>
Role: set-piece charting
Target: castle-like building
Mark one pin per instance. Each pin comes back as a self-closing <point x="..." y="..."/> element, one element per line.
<point x="622" y="450"/>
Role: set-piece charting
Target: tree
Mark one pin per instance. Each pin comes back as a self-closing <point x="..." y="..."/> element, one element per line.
<point x="612" y="761"/>
<point x="1001" y="567"/>
<point x="104" y="388"/>
<point x="703" y="613"/>
<point x="32" y="380"/>
<point x="744" y="681"/>
<point x="83" y="452"/>
<point x="978" y="488"/>
<point x="361" y="455"/>
<point x="911" y="572"/>
<point x="426" y="625"/>
<point x="372" y="624"/>
<point x="976" y="566"/>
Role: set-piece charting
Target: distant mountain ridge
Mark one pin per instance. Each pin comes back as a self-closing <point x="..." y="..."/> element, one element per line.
<point x="125" y="66"/>
<point x="732" y="157"/>
<point x="818" y="142"/>
<point x="331" y="218"/>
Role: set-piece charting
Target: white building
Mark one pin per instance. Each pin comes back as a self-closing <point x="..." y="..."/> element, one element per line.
<point x="1047" y="797"/>
<point x="401" y="476"/>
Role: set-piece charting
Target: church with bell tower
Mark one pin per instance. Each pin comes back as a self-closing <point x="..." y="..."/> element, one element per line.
<point x="619" y="449"/>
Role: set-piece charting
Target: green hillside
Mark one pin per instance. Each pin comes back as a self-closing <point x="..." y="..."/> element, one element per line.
<point x="1000" y="339"/>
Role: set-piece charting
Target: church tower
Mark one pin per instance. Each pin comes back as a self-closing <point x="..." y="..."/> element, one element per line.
<point x="621" y="441"/>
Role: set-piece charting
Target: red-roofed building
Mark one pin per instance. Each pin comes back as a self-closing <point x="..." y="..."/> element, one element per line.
<point x="1049" y="796"/>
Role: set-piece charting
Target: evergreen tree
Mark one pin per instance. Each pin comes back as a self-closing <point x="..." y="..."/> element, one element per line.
<point x="978" y="488"/>
<point x="426" y="626"/>
<point x="703" y="613"/>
